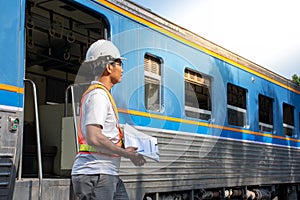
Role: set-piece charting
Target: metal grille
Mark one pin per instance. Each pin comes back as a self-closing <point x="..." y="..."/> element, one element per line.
<point x="152" y="65"/>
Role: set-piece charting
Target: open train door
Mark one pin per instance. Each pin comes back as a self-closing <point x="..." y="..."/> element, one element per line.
<point x="57" y="35"/>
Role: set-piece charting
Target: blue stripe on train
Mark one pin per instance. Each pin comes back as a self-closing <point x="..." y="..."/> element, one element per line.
<point x="190" y="128"/>
<point x="8" y="98"/>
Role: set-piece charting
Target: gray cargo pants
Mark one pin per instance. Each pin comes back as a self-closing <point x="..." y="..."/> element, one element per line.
<point x="99" y="187"/>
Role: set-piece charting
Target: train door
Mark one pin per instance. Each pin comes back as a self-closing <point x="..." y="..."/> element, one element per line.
<point x="58" y="34"/>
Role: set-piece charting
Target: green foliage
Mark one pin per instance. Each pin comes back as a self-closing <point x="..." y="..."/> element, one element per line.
<point x="296" y="79"/>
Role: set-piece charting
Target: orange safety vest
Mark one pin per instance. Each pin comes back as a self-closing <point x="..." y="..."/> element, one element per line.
<point x="83" y="146"/>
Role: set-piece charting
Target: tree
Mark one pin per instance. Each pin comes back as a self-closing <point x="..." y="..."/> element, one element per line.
<point x="296" y="79"/>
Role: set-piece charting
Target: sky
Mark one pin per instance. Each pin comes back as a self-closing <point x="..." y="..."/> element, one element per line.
<point x="266" y="32"/>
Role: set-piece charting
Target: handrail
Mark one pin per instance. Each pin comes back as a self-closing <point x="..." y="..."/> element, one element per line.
<point x="74" y="118"/>
<point x="73" y="98"/>
<point x="67" y="99"/>
<point x="38" y="140"/>
<point x="71" y="87"/>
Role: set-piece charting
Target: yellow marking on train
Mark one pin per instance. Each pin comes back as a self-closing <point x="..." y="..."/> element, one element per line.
<point x="190" y="43"/>
<point x="11" y="88"/>
<point x="186" y="121"/>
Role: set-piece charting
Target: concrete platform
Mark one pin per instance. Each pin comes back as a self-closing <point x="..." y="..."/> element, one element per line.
<point x="53" y="189"/>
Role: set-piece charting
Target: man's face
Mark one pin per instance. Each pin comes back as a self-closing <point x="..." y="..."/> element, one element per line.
<point x="116" y="73"/>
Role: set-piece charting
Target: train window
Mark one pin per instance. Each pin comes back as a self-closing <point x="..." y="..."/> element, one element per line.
<point x="265" y="107"/>
<point x="236" y="105"/>
<point x="197" y="95"/>
<point x="288" y="119"/>
<point x="152" y="70"/>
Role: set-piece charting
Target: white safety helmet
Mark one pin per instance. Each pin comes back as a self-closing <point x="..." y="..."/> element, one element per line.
<point x="99" y="54"/>
<point x="103" y="48"/>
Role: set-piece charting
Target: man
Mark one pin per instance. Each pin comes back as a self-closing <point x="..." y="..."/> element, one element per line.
<point x="95" y="173"/>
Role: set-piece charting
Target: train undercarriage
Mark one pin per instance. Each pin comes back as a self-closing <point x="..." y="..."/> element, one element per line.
<point x="271" y="192"/>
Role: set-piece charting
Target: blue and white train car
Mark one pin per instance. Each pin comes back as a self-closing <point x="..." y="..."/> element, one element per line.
<point x="227" y="128"/>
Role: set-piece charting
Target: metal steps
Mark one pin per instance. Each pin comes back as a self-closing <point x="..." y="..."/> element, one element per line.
<point x="7" y="176"/>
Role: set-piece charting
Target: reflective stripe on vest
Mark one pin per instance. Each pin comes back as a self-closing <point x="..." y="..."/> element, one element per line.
<point x="83" y="146"/>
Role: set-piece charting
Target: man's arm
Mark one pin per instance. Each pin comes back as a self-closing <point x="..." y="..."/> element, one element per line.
<point x="100" y="142"/>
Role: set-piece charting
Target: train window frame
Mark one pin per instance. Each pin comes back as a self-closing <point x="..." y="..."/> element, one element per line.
<point x="265" y="111"/>
<point x="288" y="120"/>
<point x="235" y="111"/>
<point x="153" y="78"/>
<point x="197" y="81"/>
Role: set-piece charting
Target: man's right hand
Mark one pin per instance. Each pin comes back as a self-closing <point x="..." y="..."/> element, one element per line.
<point x="136" y="158"/>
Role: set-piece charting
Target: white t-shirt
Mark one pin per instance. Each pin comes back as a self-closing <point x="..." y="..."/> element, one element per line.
<point x="97" y="109"/>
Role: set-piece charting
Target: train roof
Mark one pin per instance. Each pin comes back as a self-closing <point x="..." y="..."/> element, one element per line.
<point x="222" y="52"/>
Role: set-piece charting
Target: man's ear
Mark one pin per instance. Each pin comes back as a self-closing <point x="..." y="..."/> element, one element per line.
<point x="109" y="68"/>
